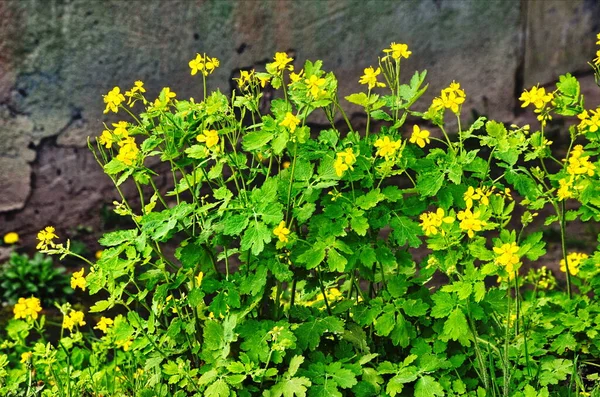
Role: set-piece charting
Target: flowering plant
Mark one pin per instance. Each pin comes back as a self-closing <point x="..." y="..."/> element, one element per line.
<point x="287" y="261"/>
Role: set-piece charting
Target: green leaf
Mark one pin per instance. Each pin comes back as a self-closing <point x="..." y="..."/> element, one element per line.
<point x="427" y="386"/>
<point x="358" y="222"/>
<point x="290" y="387"/>
<point x="385" y="324"/>
<point x="255" y="238"/>
<point x="405" y="230"/>
<point x="456" y="326"/>
<point x="358" y="99"/>
<point x="495" y="129"/>
<point x="100" y="306"/>
<point x="235" y="224"/>
<point x="218" y="389"/>
<point x="554" y="370"/>
<point x="114" y="166"/>
<point x="381" y="115"/>
<point x="404" y="375"/>
<point x="370" y="199"/>
<point x="444" y="303"/>
<point x="256" y="140"/>
<point x="336" y="261"/>
<point x="344" y="377"/>
<point x="313" y="256"/>
<point x="118" y="237"/>
<point x="429" y="183"/>
<point x="309" y="334"/>
<point x="305" y="212"/>
<point x="295" y="364"/>
<point x="564" y="342"/>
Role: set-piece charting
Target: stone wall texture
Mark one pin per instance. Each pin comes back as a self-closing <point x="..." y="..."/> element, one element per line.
<point x="58" y="57"/>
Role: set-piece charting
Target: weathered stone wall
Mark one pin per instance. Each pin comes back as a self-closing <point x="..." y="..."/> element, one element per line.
<point x="57" y="58"/>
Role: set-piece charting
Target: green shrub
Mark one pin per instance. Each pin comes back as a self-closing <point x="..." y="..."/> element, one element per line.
<point x="295" y="268"/>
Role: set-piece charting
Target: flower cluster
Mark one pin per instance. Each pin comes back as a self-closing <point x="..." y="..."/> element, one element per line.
<point x="397" y="51"/>
<point x="136" y="92"/>
<point x="578" y="166"/>
<point x="78" y="280"/>
<point x="574" y="259"/>
<point x="431" y="222"/>
<point x="46" y="236"/>
<point x="27" y="308"/>
<point x="471" y="222"/>
<point x="480" y="194"/>
<point x="370" y="78"/>
<point x="203" y="64"/>
<point x="280" y="62"/>
<point x="104" y="324"/>
<point x="539" y="99"/>
<point x="290" y="121"/>
<point x="507" y="256"/>
<point x="386" y="147"/>
<point x="344" y="161"/>
<point x="451" y="97"/>
<point x="113" y="99"/>
<point x="209" y="137"/>
<point x="314" y="85"/>
<point x="590" y="121"/>
<point x="75" y="318"/>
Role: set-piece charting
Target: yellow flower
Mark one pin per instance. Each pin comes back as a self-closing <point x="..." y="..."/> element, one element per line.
<point x="370" y="78"/>
<point x="579" y="164"/>
<point x="386" y="147"/>
<point x="471" y="195"/>
<point x="211" y="64"/>
<point x="420" y="137"/>
<point x="484" y="194"/>
<point x="75" y="318"/>
<point x="574" y="259"/>
<point x="120" y="130"/>
<point x="25" y="357"/>
<point x="290" y="121"/>
<point x="11" y="238"/>
<point x="314" y="85"/>
<point x="210" y="137"/>
<point x="263" y="80"/>
<point x="104" y="324"/>
<point x="46" y="236"/>
<point x="196" y="64"/>
<point x="397" y="51"/>
<point x="536" y="96"/>
<point x="245" y="78"/>
<point x="106" y="139"/>
<point x="281" y="60"/>
<point x="113" y="99"/>
<point x="128" y="153"/>
<point x="296" y="77"/>
<point x="432" y="221"/>
<point x="598" y="39"/>
<point x="597" y="59"/>
<point x="452" y="97"/>
<point x="507" y="257"/>
<point x="125" y="344"/>
<point x="282" y="232"/>
<point x="470" y="221"/>
<point x="98" y="254"/>
<point x="199" y="278"/>
<point x="77" y="280"/>
<point x="565" y="189"/>
<point x="286" y="165"/>
<point x="27" y="308"/>
<point x="344" y="161"/>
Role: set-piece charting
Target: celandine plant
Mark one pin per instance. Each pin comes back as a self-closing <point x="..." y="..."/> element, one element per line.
<point x="282" y="279"/>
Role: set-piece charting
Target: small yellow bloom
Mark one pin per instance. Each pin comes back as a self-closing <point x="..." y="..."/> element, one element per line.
<point x="196" y="64"/>
<point x="199" y="278"/>
<point x="120" y="130"/>
<point x="263" y="80"/>
<point x="282" y="232"/>
<point x="98" y="254"/>
<point x="565" y="190"/>
<point x="286" y="165"/>
<point x="290" y="121"/>
<point x="245" y="78"/>
<point x="419" y="136"/>
<point x="344" y="161"/>
<point x="113" y="99"/>
<point x="281" y="60"/>
<point x="432" y="221"/>
<point x="128" y="153"/>
<point x="27" y="308"/>
<point x="77" y="280"/>
<point x="507" y="257"/>
<point x="397" y="51"/>
<point x="210" y="137"/>
<point x="370" y="78"/>
<point x="104" y="324"/>
<point x="106" y="139"/>
<point x="26" y="357"/>
<point x="125" y="344"/>
<point x="314" y="85"/>
<point x="11" y="238"/>
<point x="296" y="77"/>
<point x="470" y="221"/>
<point x="75" y="318"/>
<point x="46" y="236"/>
<point x="536" y="96"/>
<point x="574" y="259"/>
<point x="386" y="147"/>
<point x="340" y="166"/>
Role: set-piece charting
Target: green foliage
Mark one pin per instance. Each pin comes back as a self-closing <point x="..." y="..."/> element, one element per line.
<point x="286" y="262"/>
